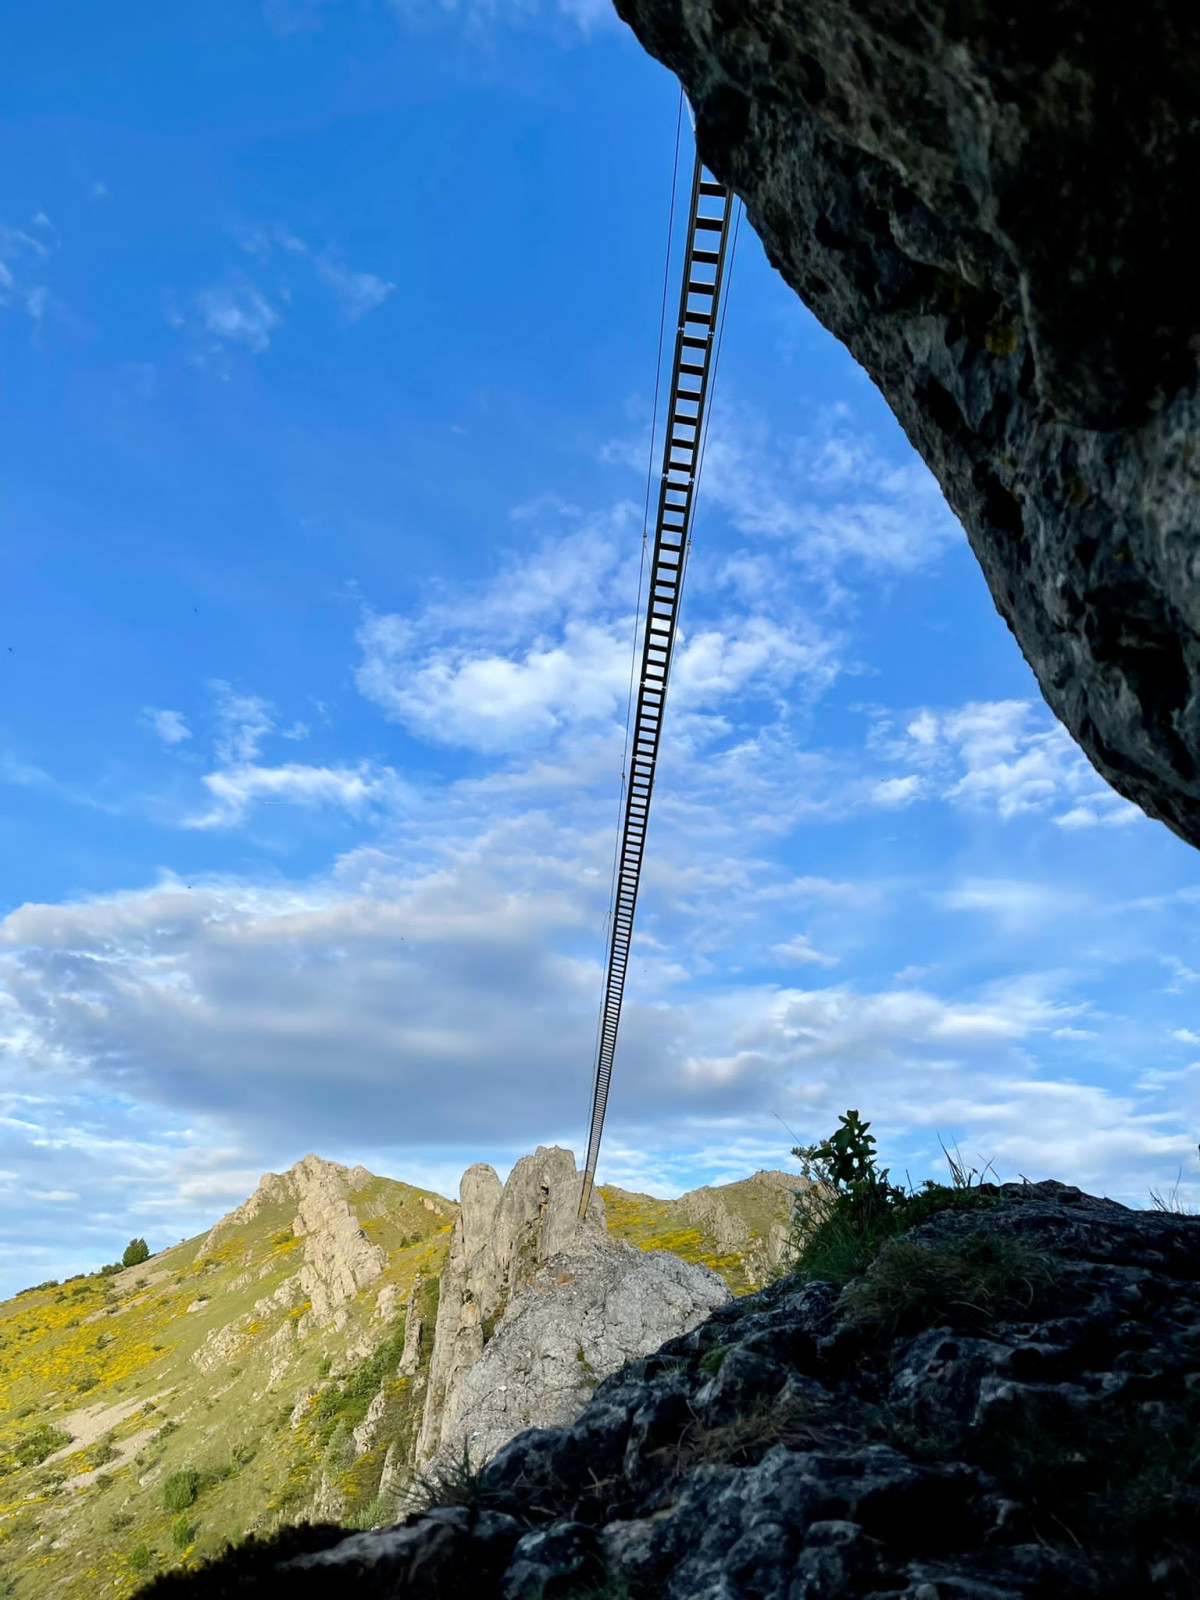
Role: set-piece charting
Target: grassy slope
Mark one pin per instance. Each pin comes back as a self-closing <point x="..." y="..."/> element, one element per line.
<point x="69" y="1531"/>
<point x="663" y="1225"/>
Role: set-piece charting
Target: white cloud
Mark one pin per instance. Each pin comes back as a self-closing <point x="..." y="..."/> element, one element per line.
<point x="896" y="791"/>
<point x="23" y="261"/>
<point x="238" y="314"/>
<point x="828" y="499"/>
<point x="800" y="950"/>
<point x="356" y="292"/>
<point x="236" y="789"/>
<point x="55" y="1195"/>
<point x="1005" y="756"/>
<point x="243" y="722"/>
<point x="1015" y="904"/>
<point x="545" y="649"/>
<point x="168" y="725"/>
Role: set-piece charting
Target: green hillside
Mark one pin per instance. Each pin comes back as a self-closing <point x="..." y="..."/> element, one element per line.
<point x="147" y="1417"/>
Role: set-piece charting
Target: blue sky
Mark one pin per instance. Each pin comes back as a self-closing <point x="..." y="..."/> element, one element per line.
<point x="328" y="335"/>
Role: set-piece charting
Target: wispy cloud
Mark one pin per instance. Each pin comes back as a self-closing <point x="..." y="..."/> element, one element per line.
<point x="24" y="259"/>
<point x="243" y="722"/>
<point x="170" y="726"/>
<point x="1005" y="756"/>
<point x="237" y="313"/>
<point x="355" y="292"/>
<point x="236" y="789"/>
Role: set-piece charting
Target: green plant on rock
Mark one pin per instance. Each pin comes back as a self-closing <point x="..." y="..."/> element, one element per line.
<point x="851" y="1208"/>
<point x="139" y="1558"/>
<point x="183" y="1533"/>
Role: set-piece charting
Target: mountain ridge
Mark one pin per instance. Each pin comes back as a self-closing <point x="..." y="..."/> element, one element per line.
<point x="281" y="1359"/>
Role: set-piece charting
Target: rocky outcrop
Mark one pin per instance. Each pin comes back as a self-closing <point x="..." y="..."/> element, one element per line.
<point x="1004" y="1407"/>
<point x="503" y="1234"/>
<point x="712" y="1209"/>
<point x="339" y="1260"/>
<point x="585" y="1314"/>
<point x="992" y="206"/>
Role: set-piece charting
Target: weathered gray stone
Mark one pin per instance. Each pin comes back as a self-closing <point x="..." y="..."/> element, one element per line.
<point x="993" y="207"/>
<point x="504" y="1233"/>
<point x="586" y="1313"/>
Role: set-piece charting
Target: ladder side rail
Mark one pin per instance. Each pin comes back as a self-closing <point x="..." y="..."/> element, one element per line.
<point x="692" y="359"/>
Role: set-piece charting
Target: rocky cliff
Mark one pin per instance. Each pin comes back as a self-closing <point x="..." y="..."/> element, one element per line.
<point x="992" y="206"/>
<point x="1003" y="1407"/>
<point x="537" y="1308"/>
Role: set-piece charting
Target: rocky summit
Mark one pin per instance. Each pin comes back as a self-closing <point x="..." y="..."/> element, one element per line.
<point x="1004" y="1406"/>
<point x="326" y="1344"/>
<point x="993" y="208"/>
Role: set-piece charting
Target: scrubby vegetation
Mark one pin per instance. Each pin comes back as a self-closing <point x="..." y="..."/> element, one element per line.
<point x="850" y="1208"/>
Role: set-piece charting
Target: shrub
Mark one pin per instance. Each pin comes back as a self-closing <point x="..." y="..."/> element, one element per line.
<point x="182" y="1533"/>
<point x="136" y="1251"/>
<point x="107" y="1270"/>
<point x="339" y="1452"/>
<point x="119" y="1521"/>
<point x="39" y="1443"/>
<point x="181" y="1488"/>
<point x="139" y="1558"/>
<point x="103" y="1451"/>
<point x="852" y="1208"/>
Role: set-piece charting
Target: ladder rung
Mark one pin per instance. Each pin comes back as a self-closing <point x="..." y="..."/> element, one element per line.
<point x="709" y="257"/>
<point x="707" y="186"/>
<point x="711" y="224"/>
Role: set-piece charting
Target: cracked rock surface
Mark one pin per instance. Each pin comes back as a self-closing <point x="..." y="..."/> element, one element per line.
<point x="992" y="207"/>
<point x="1028" y="1433"/>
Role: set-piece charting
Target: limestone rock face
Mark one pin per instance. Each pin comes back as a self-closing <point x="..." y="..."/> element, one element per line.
<point x="503" y="1234"/>
<point x="586" y="1313"/>
<point x="339" y="1260"/>
<point x="992" y="206"/>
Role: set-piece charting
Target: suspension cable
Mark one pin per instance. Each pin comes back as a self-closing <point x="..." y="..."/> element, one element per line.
<point x="710" y="212"/>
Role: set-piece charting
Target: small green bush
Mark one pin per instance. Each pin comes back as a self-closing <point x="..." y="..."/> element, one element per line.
<point x="139" y="1558"/>
<point x="103" y="1451"/>
<point x="851" y="1207"/>
<point x="181" y="1488"/>
<point x="40" y="1442"/>
<point x="119" y="1521"/>
<point x="136" y="1251"/>
<point x="183" y="1533"/>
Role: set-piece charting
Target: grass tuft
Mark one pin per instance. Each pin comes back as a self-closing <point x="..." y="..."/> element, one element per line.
<point x="910" y="1286"/>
